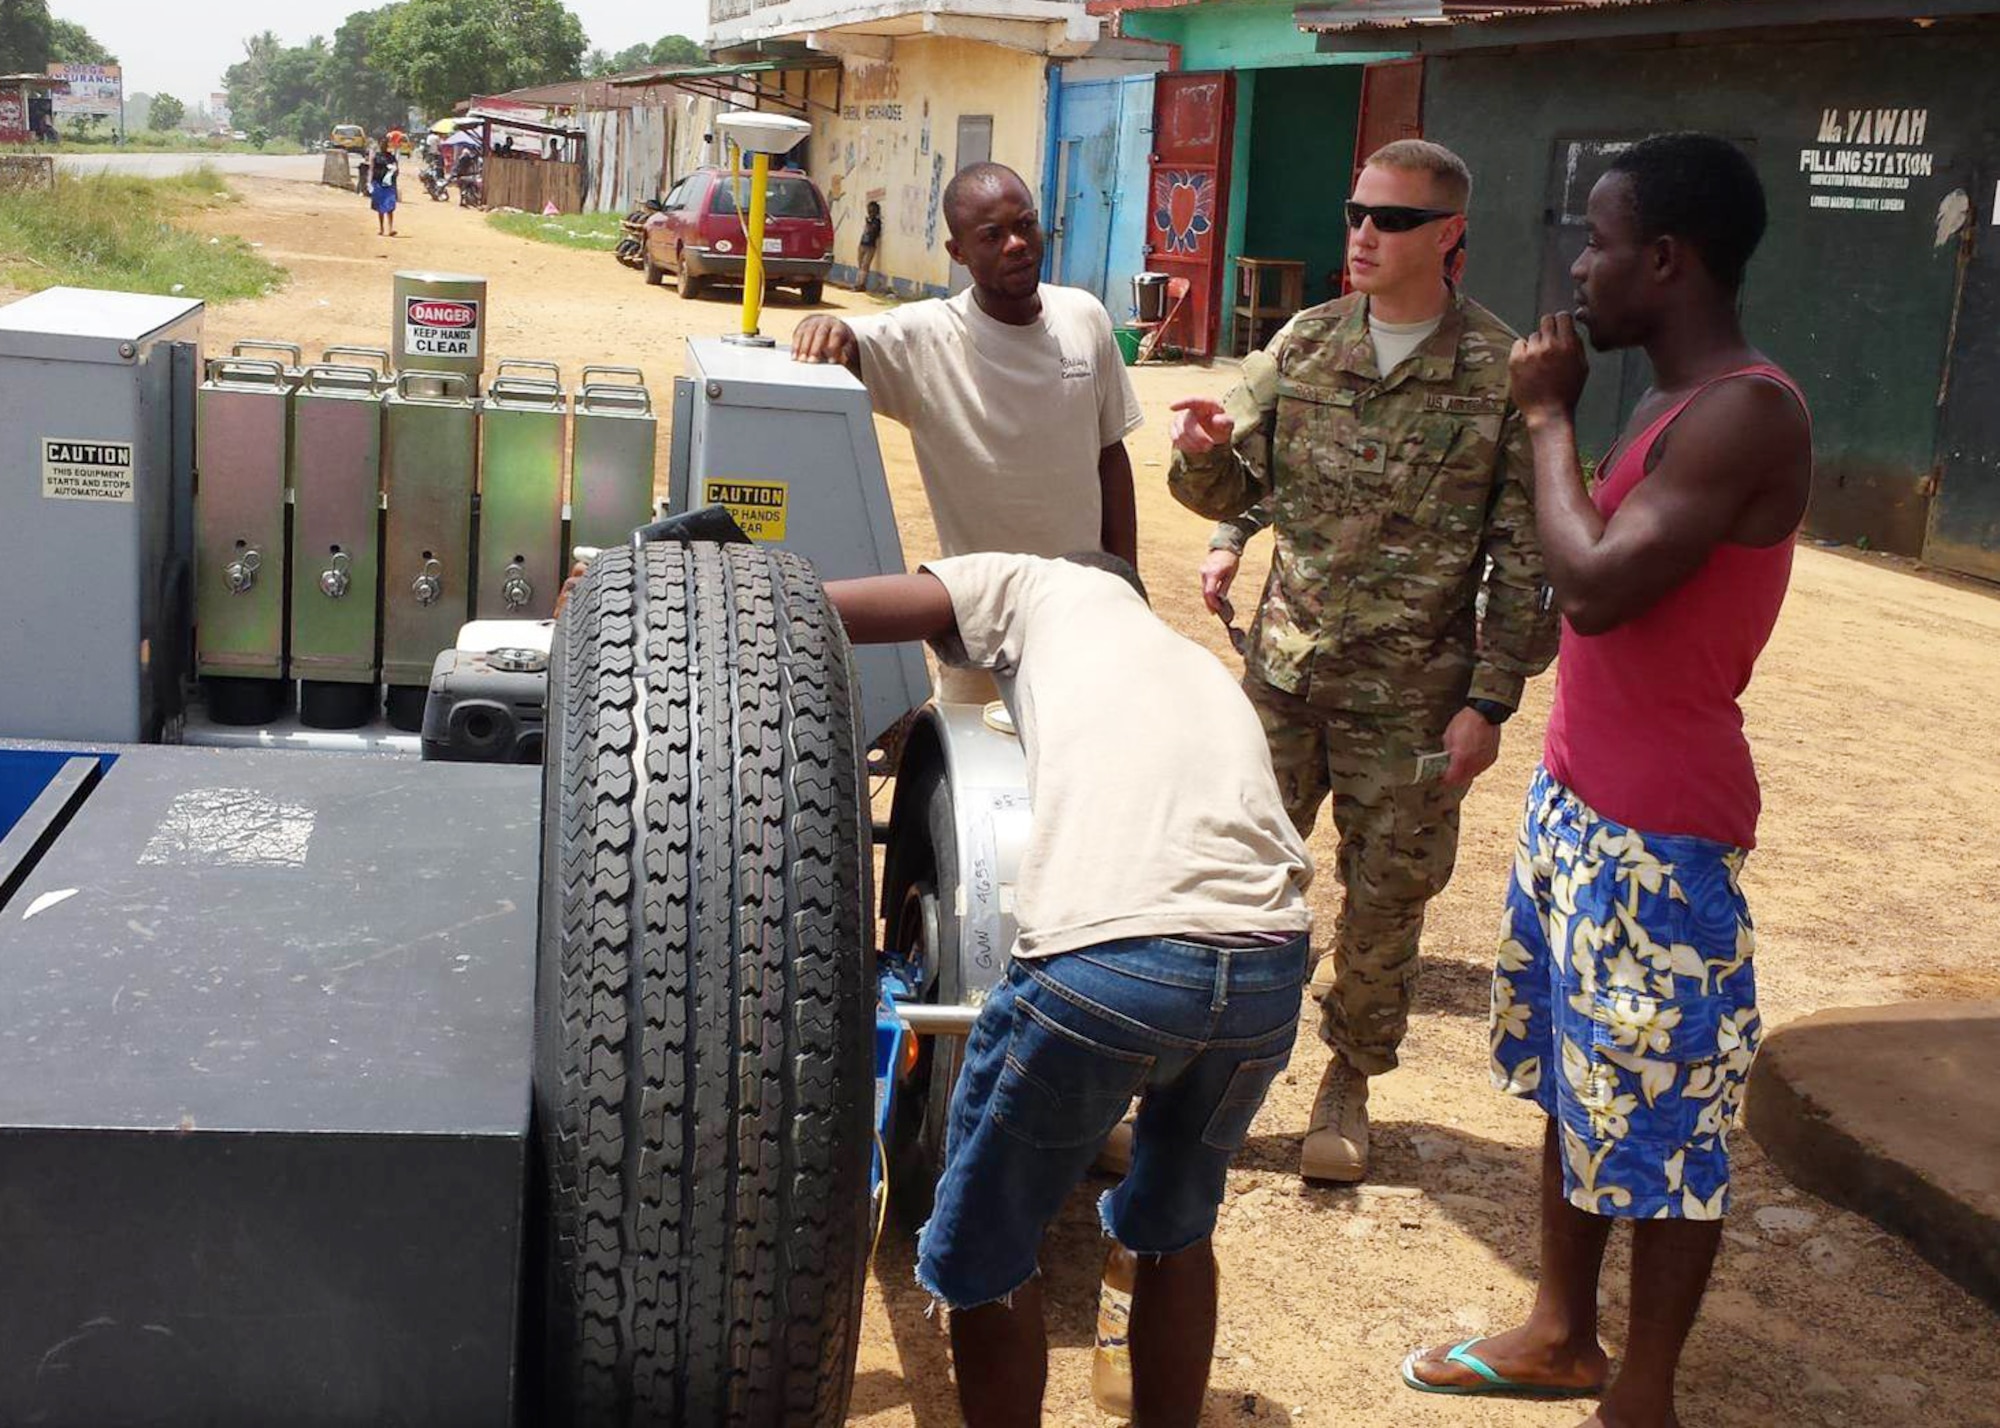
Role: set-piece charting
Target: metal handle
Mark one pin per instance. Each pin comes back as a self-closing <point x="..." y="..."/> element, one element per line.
<point x="340" y="376"/>
<point x="258" y="370"/>
<point x="515" y="589"/>
<point x="334" y="580"/>
<point x="527" y="364"/>
<point x="428" y="586"/>
<point x="454" y="386"/>
<point x="602" y="394"/>
<point x="258" y="344"/>
<point x="376" y="355"/>
<point x="527" y="390"/>
<point x="241" y="573"/>
<point x="638" y="377"/>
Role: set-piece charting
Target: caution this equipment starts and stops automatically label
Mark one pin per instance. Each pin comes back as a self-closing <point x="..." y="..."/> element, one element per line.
<point x="441" y="327"/>
<point x="77" y="470"/>
<point x="758" y="506"/>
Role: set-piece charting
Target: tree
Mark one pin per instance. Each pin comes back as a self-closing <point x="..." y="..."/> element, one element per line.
<point x="442" y="51"/>
<point x="280" y="87"/>
<point x="70" y="43"/>
<point x="673" y="49"/>
<point x="167" y="113"/>
<point x="359" y="89"/>
<point x="26" y="34"/>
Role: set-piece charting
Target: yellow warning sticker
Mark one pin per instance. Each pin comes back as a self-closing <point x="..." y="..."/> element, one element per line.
<point x="758" y="506"/>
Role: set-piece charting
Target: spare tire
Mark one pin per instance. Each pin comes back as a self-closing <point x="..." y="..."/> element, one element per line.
<point x="704" y="1084"/>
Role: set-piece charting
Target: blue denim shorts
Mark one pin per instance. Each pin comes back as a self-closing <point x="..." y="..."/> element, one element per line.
<point x="1625" y="1005"/>
<point x="1060" y="1049"/>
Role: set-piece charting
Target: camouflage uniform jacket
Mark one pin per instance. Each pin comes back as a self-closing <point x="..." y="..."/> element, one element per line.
<point x="1389" y="496"/>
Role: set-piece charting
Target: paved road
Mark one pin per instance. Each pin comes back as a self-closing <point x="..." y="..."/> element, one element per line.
<point x="304" y="167"/>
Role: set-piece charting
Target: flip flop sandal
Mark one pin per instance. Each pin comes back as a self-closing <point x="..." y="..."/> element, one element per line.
<point x="1496" y="1385"/>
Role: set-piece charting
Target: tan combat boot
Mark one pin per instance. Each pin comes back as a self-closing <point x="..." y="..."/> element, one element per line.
<point x="1320" y="986"/>
<point x="1336" y="1145"/>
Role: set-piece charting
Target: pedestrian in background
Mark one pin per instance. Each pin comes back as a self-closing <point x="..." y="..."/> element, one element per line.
<point x="382" y="190"/>
<point x="871" y="238"/>
<point x="1375" y="436"/>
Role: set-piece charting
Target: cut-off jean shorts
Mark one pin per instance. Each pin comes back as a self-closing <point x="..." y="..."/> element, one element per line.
<point x="1059" y="1051"/>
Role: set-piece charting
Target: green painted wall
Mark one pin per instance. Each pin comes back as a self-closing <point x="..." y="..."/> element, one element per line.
<point x="1254" y="35"/>
<point x="1302" y="151"/>
<point x="1240" y="174"/>
<point x="1856" y="304"/>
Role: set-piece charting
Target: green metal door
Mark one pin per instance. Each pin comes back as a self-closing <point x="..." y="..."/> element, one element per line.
<point x="1964" y="532"/>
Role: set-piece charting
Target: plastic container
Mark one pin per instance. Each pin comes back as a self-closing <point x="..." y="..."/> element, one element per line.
<point x="1128" y="343"/>
<point x="1111" y="1360"/>
<point x="1149" y="296"/>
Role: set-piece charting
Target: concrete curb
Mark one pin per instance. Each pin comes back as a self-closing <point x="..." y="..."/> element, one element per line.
<point x="1894" y="1112"/>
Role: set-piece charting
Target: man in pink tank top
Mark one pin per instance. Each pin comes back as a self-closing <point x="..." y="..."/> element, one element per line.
<point x="1624" y="999"/>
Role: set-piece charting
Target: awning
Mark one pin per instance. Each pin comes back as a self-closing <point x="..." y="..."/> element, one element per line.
<point x="742" y="84"/>
<point x="1447" y="26"/>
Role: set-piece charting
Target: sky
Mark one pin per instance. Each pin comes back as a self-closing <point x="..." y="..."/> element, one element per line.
<point x="182" y="49"/>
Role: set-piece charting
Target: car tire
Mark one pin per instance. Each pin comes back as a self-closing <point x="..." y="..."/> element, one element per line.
<point x="703" y="1083"/>
<point x="689" y="283"/>
<point x="924" y="905"/>
<point x="655" y="274"/>
<point x="811" y="292"/>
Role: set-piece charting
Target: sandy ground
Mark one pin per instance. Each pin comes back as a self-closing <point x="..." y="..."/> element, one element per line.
<point x="1875" y="882"/>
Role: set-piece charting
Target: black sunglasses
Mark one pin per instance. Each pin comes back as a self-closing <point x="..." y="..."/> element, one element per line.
<point x="1393" y="217"/>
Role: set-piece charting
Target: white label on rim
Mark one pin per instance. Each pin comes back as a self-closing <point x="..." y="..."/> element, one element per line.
<point x="77" y="470"/>
<point x="441" y="327"/>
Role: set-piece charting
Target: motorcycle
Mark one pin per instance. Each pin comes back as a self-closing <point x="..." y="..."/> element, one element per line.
<point x="435" y="181"/>
<point x="471" y="187"/>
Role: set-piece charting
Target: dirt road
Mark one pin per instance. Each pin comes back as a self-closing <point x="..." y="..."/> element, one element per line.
<point x="1875" y="882"/>
<point x="303" y="167"/>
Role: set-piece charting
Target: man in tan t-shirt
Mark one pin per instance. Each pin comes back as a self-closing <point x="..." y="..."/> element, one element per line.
<point x="1163" y="932"/>
<point x="1016" y="398"/>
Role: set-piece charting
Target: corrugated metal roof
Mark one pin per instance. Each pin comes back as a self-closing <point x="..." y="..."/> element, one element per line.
<point x="669" y="74"/>
<point x="1505" y="19"/>
<point x="1372" y="15"/>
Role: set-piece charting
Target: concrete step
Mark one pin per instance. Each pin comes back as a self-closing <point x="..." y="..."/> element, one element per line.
<point x="1894" y="1112"/>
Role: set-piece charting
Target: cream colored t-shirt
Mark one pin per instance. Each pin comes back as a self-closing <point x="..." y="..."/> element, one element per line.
<point x="1007" y="421"/>
<point x="1156" y="813"/>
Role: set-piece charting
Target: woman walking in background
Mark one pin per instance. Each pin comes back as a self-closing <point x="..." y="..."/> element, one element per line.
<point x="382" y="191"/>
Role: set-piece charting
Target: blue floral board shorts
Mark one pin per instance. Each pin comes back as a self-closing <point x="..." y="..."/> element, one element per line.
<point x="1625" y="1005"/>
<point x="1060" y="1049"/>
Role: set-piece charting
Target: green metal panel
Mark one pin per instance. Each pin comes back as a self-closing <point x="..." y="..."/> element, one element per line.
<point x="1304" y="124"/>
<point x="336" y="512"/>
<point x="1255" y="35"/>
<point x="614" y="441"/>
<point x="520" y="499"/>
<point x="1964" y="530"/>
<point x="429" y="462"/>
<point x="1856" y="303"/>
<point x="243" y="425"/>
<point x="1240" y="162"/>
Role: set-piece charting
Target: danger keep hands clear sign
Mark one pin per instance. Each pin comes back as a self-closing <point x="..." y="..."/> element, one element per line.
<point x="441" y="327"/>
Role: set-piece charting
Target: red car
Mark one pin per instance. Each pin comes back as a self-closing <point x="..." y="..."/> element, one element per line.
<point x="698" y="234"/>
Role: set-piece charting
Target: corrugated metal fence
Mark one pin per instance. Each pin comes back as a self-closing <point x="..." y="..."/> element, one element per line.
<point x="637" y="153"/>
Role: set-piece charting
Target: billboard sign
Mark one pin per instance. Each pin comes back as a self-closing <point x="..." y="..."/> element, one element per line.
<point x="94" y="89"/>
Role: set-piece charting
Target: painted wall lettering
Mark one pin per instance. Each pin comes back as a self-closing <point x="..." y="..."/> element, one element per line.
<point x="1879" y="152"/>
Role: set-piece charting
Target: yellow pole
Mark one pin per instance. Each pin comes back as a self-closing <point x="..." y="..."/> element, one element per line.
<point x="753" y="261"/>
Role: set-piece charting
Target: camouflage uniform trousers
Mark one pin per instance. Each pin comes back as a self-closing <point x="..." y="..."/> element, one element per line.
<point x="1398" y="842"/>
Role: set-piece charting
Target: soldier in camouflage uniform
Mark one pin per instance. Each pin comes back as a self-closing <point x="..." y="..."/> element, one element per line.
<point x="1398" y="492"/>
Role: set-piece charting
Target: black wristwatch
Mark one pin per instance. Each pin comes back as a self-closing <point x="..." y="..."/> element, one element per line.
<point x="1491" y="710"/>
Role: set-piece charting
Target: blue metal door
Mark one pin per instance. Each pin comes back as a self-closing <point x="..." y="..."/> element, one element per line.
<point x="1097" y="187"/>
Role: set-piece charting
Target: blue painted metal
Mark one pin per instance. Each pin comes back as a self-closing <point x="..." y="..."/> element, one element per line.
<point x="891" y="1036"/>
<point x="1101" y="136"/>
<point x="24" y="773"/>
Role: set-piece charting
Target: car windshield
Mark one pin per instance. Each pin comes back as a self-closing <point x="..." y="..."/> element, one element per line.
<point x="784" y="197"/>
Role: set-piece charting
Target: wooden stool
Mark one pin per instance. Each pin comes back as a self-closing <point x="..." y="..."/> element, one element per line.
<point x="1257" y="320"/>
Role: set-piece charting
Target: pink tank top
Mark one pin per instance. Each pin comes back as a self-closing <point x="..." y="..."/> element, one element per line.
<point x="1646" y="727"/>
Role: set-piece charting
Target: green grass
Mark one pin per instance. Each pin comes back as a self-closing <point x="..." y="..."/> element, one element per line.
<point x="112" y="231"/>
<point x="598" y="232"/>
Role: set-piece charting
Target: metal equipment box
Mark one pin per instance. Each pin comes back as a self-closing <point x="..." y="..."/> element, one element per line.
<point x="614" y="441"/>
<point x="790" y="449"/>
<point x="336" y="517"/>
<point x="96" y="512"/>
<point x="521" y="438"/>
<point x="265" y="1058"/>
<point x="241" y="448"/>
<point x="429" y="468"/>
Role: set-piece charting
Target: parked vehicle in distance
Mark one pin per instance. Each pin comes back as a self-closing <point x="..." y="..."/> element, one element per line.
<point x="699" y="234"/>
<point x="351" y="137"/>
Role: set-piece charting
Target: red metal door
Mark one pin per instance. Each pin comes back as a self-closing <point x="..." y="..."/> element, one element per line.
<point x="1392" y="107"/>
<point x="1194" y="129"/>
